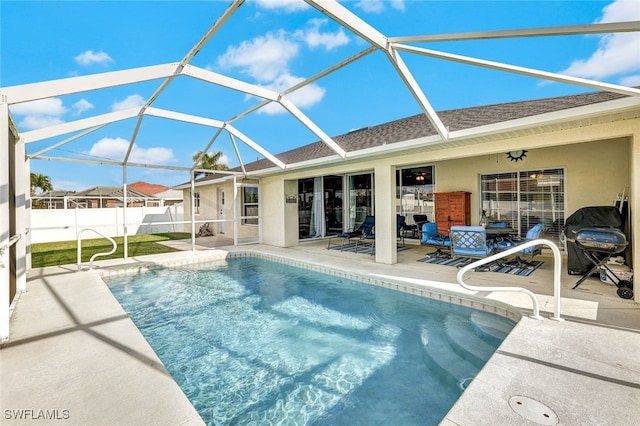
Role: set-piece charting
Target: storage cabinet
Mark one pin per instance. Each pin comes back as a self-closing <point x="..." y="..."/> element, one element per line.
<point x="452" y="208"/>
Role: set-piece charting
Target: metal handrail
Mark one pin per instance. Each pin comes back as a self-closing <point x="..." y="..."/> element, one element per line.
<point x="557" y="266"/>
<point x="12" y="240"/>
<point x="113" y="250"/>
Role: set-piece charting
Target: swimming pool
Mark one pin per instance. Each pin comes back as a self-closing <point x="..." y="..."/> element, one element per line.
<point x="252" y="341"/>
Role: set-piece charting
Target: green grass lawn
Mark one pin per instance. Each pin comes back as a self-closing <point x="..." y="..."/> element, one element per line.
<point x="66" y="252"/>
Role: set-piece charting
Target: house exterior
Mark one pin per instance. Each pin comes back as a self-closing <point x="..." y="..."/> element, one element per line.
<point x="524" y="162"/>
<point x="165" y="196"/>
<point x="109" y="197"/>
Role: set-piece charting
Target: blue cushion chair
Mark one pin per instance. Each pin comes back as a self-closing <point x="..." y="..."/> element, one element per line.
<point x="431" y="237"/>
<point x="365" y="228"/>
<point x="533" y="233"/>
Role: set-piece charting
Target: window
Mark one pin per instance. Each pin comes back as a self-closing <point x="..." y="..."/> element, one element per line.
<point x="250" y="205"/>
<point x="196" y="202"/>
<point x="525" y="198"/>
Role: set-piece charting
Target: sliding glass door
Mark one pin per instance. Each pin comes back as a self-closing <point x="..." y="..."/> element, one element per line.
<point x="414" y="193"/>
<point x="320" y="206"/>
<point x="333" y="200"/>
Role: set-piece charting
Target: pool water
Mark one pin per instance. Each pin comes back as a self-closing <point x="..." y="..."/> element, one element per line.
<point x="252" y="341"/>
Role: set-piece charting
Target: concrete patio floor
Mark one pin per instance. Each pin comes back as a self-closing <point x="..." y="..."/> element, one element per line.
<point x="76" y="358"/>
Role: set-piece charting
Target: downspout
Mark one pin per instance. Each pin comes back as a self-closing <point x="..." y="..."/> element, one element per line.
<point x="124" y="211"/>
<point x="5" y="280"/>
<point x="193" y="211"/>
<point x="235" y="211"/>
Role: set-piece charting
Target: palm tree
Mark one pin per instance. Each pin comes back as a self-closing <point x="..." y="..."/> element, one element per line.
<point x="209" y="161"/>
<point x="40" y="181"/>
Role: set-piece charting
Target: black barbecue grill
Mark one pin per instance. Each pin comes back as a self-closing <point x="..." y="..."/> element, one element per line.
<point x="598" y="245"/>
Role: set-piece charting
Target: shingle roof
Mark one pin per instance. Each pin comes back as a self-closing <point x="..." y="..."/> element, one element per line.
<point x="111" y="192"/>
<point x="418" y="126"/>
<point x="148" y="188"/>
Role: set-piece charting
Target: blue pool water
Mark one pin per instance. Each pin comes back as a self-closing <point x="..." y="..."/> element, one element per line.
<point x="256" y="342"/>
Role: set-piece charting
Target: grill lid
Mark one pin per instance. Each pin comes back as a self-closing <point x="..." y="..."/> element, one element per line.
<point x="609" y="240"/>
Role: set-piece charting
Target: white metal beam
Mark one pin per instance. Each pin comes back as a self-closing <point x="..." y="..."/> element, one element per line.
<point x="187" y="118"/>
<point x="244" y="138"/>
<point x="72" y="126"/>
<point x="66" y="141"/>
<point x="417" y="93"/>
<point x="606" y="28"/>
<point x="67" y="86"/>
<point x="228" y="82"/>
<point x="113" y="163"/>
<point x="235" y="148"/>
<point x="195" y="49"/>
<point x="307" y="81"/>
<point x="312" y="126"/>
<point x="348" y="19"/>
<point x="206" y="148"/>
<point x="521" y="70"/>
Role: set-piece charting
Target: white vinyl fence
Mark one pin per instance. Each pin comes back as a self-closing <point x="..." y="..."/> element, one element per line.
<point x="63" y="225"/>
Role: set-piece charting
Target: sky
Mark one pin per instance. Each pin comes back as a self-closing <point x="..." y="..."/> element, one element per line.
<point x="276" y="44"/>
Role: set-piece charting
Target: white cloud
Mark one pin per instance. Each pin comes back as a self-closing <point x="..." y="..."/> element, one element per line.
<point x="631" y="81"/>
<point x="314" y="38"/>
<point x="90" y="57"/>
<point x="378" y="6"/>
<point x="115" y="149"/>
<point x="49" y="106"/>
<point x="40" y="113"/>
<point x="617" y="54"/>
<point x="287" y="5"/>
<point x="81" y="106"/>
<point x="263" y="58"/>
<point x="131" y="101"/>
<point x="32" y="122"/>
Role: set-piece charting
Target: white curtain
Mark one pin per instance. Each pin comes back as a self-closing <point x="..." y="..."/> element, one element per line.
<point x="317" y="225"/>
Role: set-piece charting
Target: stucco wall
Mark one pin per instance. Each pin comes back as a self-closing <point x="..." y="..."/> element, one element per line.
<point x="594" y="172"/>
<point x="596" y="160"/>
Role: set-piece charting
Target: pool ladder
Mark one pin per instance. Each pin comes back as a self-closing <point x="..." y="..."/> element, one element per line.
<point x="557" y="266"/>
<point x="113" y="250"/>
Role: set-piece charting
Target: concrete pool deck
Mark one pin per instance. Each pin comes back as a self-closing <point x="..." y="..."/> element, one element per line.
<point x="76" y="357"/>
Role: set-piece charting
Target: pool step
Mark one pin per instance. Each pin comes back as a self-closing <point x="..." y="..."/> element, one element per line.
<point x="439" y="355"/>
<point x="466" y="343"/>
<point x="495" y="328"/>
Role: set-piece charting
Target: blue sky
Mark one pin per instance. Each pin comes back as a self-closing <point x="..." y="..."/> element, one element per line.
<point x="275" y="44"/>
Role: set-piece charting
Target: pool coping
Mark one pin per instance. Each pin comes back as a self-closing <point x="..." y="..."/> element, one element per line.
<point x="448" y="296"/>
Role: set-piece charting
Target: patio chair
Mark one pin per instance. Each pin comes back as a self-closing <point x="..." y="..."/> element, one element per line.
<point x="419" y="220"/>
<point x="469" y="241"/>
<point x="532" y="234"/>
<point x="365" y="227"/>
<point x="205" y="230"/>
<point x="367" y="238"/>
<point x="402" y="226"/>
<point x="431" y="237"/>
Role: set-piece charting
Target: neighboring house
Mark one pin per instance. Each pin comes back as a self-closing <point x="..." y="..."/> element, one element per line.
<point x="109" y="196"/>
<point x="523" y="162"/>
<point x="165" y="195"/>
<point x="51" y="199"/>
<point x="94" y="198"/>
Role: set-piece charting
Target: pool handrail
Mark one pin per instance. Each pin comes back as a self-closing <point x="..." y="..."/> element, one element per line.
<point x="80" y="232"/>
<point x="557" y="267"/>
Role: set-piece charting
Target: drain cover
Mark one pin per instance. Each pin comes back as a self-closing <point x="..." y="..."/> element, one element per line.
<point x="533" y="410"/>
